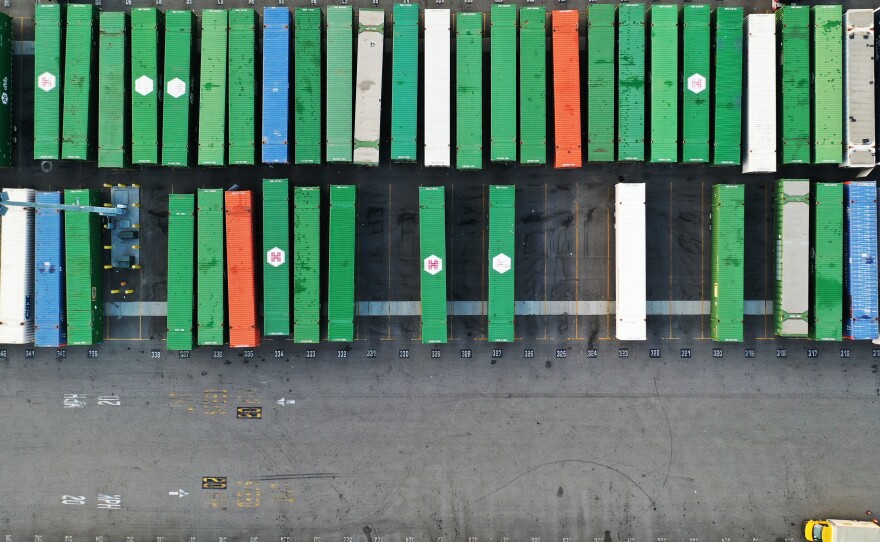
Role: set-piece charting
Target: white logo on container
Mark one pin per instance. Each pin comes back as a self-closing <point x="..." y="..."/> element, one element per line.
<point x="176" y="88"/>
<point x="46" y="81"/>
<point x="696" y="83"/>
<point x="433" y="264"/>
<point x="143" y="85"/>
<point x="275" y="257"/>
<point x="501" y="263"/>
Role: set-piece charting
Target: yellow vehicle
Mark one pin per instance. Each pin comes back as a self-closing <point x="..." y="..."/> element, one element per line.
<point x="841" y="530"/>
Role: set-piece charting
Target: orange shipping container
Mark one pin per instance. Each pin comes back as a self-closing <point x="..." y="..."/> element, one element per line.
<point x="240" y="267"/>
<point x="567" y="89"/>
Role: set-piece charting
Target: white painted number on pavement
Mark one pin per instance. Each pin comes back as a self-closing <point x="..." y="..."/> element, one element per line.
<point x="109" y="502"/>
<point x="70" y="499"/>
<point x="74" y="400"/>
<point x="109" y="400"/>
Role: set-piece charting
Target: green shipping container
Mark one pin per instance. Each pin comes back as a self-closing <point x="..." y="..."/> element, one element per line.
<point x="78" y="126"/>
<point x="502" y="248"/>
<point x="791" y="304"/>
<point x="728" y="86"/>
<point x="469" y="90"/>
<point x="826" y="265"/>
<point x="211" y="265"/>
<point x="212" y="90"/>
<point x="631" y="83"/>
<point x="307" y="264"/>
<point x="340" y="287"/>
<point x="178" y="82"/>
<point x="242" y="134"/>
<point x="307" y="86"/>
<point x="340" y="86"/>
<point x="146" y="28"/>
<point x="794" y="83"/>
<point x="695" y="84"/>
<point x="405" y="82"/>
<point x="533" y="85"/>
<point x="181" y="271"/>
<point x="432" y="245"/>
<point x="827" y="97"/>
<point x="503" y="98"/>
<point x="276" y="263"/>
<point x="728" y="254"/>
<point x="600" y="82"/>
<point x="5" y="90"/>
<point x="664" y="83"/>
<point x="84" y="268"/>
<point x="48" y="59"/>
<point x="113" y="90"/>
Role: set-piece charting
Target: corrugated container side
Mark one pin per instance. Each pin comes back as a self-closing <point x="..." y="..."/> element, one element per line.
<point x="307" y="264"/>
<point x="533" y="85"/>
<point x="83" y="256"/>
<point x="17" y="271"/>
<point x="502" y="271"/>
<point x="860" y="255"/>
<point x="759" y="154"/>
<point x="368" y="86"/>
<point x="6" y="85"/>
<point x="858" y="58"/>
<point x="276" y="257"/>
<point x="48" y="79"/>
<point x="600" y="82"/>
<point x="630" y="262"/>
<point x="826" y="278"/>
<point x="210" y="266"/>
<point x="307" y="94"/>
<point x="212" y="88"/>
<point x="794" y="81"/>
<point x="664" y="83"/>
<point x="437" y="88"/>
<point x="791" y="306"/>
<point x="432" y="247"/>
<point x="728" y="87"/>
<point x="276" y="82"/>
<point x="243" y="94"/>
<point x="566" y="89"/>
<point x="827" y="87"/>
<point x="695" y="84"/>
<point x="405" y="83"/>
<point x="50" y="314"/>
<point x="181" y="271"/>
<point x="631" y="83"/>
<point x="178" y="82"/>
<point x="78" y="126"/>
<point x="113" y="118"/>
<point x="469" y="90"/>
<point x="146" y="46"/>
<point x="503" y="90"/>
<point x="340" y="285"/>
<point x="728" y="255"/>
<point x="339" y="83"/>
<point x="244" y="331"/>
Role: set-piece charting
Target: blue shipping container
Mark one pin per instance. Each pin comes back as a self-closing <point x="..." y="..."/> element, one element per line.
<point x="276" y="84"/>
<point x="860" y="257"/>
<point x="50" y="325"/>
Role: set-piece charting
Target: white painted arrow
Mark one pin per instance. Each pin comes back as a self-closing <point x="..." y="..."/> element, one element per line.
<point x="179" y="493"/>
<point x="284" y="401"/>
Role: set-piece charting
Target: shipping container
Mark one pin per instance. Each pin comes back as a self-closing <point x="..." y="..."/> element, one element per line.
<point x="340" y="283"/>
<point x="6" y="102"/>
<point x="860" y="257"/>
<point x="210" y="258"/>
<point x="791" y="305"/>
<point x="664" y="83"/>
<point x="181" y="271"/>
<point x="84" y="269"/>
<point x="146" y="52"/>
<point x="276" y="80"/>
<point x="728" y="88"/>
<point x="244" y="330"/>
<point x="858" y="112"/>
<point x="212" y="88"/>
<point x="405" y="82"/>
<point x="17" y="270"/>
<point x="759" y="155"/>
<point x="566" y="89"/>
<point x="826" y="265"/>
<point x="827" y="89"/>
<point x="276" y="263"/>
<point x="533" y="85"/>
<point x="307" y="264"/>
<point x="502" y="271"/>
<point x="50" y="314"/>
<point x="469" y="90"/>
<point x="307" y="91"/>
<point x="630" y="255"/>
<point x="113" y="91"/>
<point x="631" y="83"/>
<point x="728" y="254"/>
<point x="503" y="84"/>
<point x="432" y="246"/>
<point x="437" y="88"/>
<point x="793" y="33"/>
<point x="368" y="86"/>
<point x="339" y="83"/>
<point x="80" y="62"/>
<point x="600" y="82"/>
<point x="243" y="96"/>
<point x="48" y="78"/>
<point x="695" y="84"/>
<point x="176" y="110"/>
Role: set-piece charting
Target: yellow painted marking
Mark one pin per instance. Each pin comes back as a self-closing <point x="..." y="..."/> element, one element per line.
<point x="214" y="482"/>
<point x="249" y="413"/>
<point x="248" y="494"/>
<point x="248" y="397"/>
<point x="282" y="494"/>
<point x="214" y="402"/>
<point x="181" y="402"/>
<point x="218" y="500"/>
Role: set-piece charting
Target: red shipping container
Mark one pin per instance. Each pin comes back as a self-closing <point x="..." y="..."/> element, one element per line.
<point x="567" y="89"/>
<point x="244" y="331"/>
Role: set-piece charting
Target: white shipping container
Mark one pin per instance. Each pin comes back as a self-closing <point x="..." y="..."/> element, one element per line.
<point x="858" y="84"/>
<point x="629" y="261"/>
<point x="793" y="257"/>
<point x="368" y="87"/>
<point x="759" y="152"/>
<point x="437" y="88"/>
<point x="17" y="271"/>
